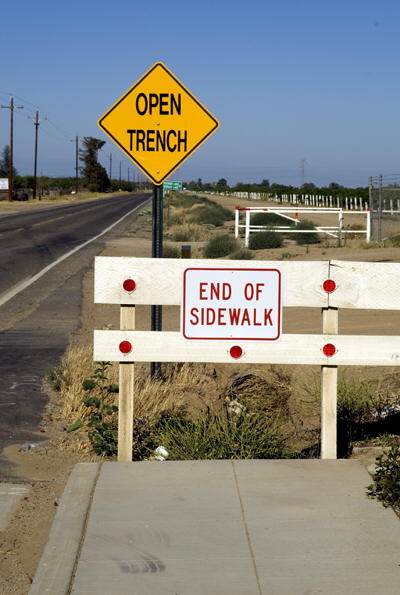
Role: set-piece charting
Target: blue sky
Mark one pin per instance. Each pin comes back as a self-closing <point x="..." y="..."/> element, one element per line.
<point x="288" y="80"/>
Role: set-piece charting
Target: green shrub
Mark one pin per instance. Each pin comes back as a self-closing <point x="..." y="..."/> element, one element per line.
<point x="395" y="241"/>
<point x="170" y="251"/>
<point x="225" y="214"/>
<point x="241" y="254"/>
<point x="102" y="416"/>
<point x="208" y="217"/>
<point x="269" y="219"/>
<point x="210" y="436"/>
<point x="212" y="214"/>
<point x="220" y="245"/>
<point x="265" y="239"/>
<point x="306" y="238"/>
<point x="386" y="486"/>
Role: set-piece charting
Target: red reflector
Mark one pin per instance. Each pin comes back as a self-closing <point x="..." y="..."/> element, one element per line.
<point x="329" y="285"/>
<point x="329" y="349"/>
<point x="125" y="347"/>
<point x="236" y="351"/>
<point x="129" y="285"/>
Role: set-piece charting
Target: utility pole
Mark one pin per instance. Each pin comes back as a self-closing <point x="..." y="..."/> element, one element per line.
<point x="110" y="176"/>
<point x="11" y="107"/>
<point x="76" y="141"/>
<point x="36" y="122"/>
<point x="128" y="177"/>
<point x="380" y="208"/>
<point x="120" y="175"/>
<point x="76" y="164"/>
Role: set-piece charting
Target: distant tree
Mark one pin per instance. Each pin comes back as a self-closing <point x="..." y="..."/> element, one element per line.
<point x="334" y="186"/>
<point x="264" y="183"/>
<point x="95" y="174"/>
<point x="199" y="184"/>
<point x="222" y="183"/>
<point x="308" y="186"/>
<point x="5" y="163"/>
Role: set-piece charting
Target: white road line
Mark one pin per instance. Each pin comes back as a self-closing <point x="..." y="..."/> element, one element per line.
<point x="8" y="295"/>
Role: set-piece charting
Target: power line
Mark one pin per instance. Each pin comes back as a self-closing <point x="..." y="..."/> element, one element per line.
<point x="66" y="134"/>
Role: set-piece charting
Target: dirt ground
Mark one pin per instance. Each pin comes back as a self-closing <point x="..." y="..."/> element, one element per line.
<point x="46" y="469"/>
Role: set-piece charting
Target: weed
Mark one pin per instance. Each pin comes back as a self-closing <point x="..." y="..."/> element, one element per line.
<point x="220" y="245"/>
<point x="188" y="232"/>
<point x="171" y="251"/>
<point x="395" y="241"/>
<point x="224" y="436"/>
<point x="369" y="245"/>
<point x="241" y="254"/>
<point x="386" y="486"/>
<point x="265" y="239"/>
<point x="269" y="394"/>
<point x="55" y="378"/>
<point x="287" y="255"/>
<point x="102" y="420"/>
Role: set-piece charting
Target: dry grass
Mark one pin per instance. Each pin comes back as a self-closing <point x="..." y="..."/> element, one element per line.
<point x="193" y="388"/>
<point x="183" y="386"/>
<point x="186" y="232"/>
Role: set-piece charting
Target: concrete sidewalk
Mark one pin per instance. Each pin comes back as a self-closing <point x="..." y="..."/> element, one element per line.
<point x="221" y="528"/>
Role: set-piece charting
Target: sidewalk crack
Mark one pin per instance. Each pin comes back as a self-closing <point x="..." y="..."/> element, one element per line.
<point x="249" y="544"/>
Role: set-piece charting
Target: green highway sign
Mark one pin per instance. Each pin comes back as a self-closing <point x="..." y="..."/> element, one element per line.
<point x="172" y="185"/>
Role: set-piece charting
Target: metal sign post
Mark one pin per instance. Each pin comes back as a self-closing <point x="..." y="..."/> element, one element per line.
<point x="157" y="252"/>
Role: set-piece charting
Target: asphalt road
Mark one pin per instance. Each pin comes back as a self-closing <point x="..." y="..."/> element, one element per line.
<point x="36" y="323"/>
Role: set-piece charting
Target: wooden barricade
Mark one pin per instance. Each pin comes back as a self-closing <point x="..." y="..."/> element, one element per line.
<point x="329" y="285"/>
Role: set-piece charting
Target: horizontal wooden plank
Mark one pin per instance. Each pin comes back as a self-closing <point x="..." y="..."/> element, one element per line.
<point x="159" y="281"/>
<point x="367" y="285"/>
<point x="352" y="350"/>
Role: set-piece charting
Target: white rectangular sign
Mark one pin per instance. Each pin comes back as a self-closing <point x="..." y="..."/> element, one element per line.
<point x="232" y="304"/>
<point x="3" y="183"/>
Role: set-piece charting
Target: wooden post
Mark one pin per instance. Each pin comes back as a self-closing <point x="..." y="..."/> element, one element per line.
<point x="237" y="213"/>
<point x="126" y="389"/>
<point x="329" y="391"/>
<point x="340" y="234"/>
<point x="368" y="230"/>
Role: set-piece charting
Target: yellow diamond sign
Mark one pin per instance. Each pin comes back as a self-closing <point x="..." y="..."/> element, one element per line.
<point x="158" y="123"/>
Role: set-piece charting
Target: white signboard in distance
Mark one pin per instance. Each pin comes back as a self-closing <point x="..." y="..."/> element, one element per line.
<point x="3" y="183"/>
<point x="232" y="304"/>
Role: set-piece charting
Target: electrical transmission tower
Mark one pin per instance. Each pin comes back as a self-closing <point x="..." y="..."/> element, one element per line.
<point x="303" y="164"/>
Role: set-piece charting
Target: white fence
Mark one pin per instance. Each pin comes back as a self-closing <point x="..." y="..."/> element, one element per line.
<point x="329" y="285"/>
<point x="349" y="203"/>
<point x="336" y="231"/>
